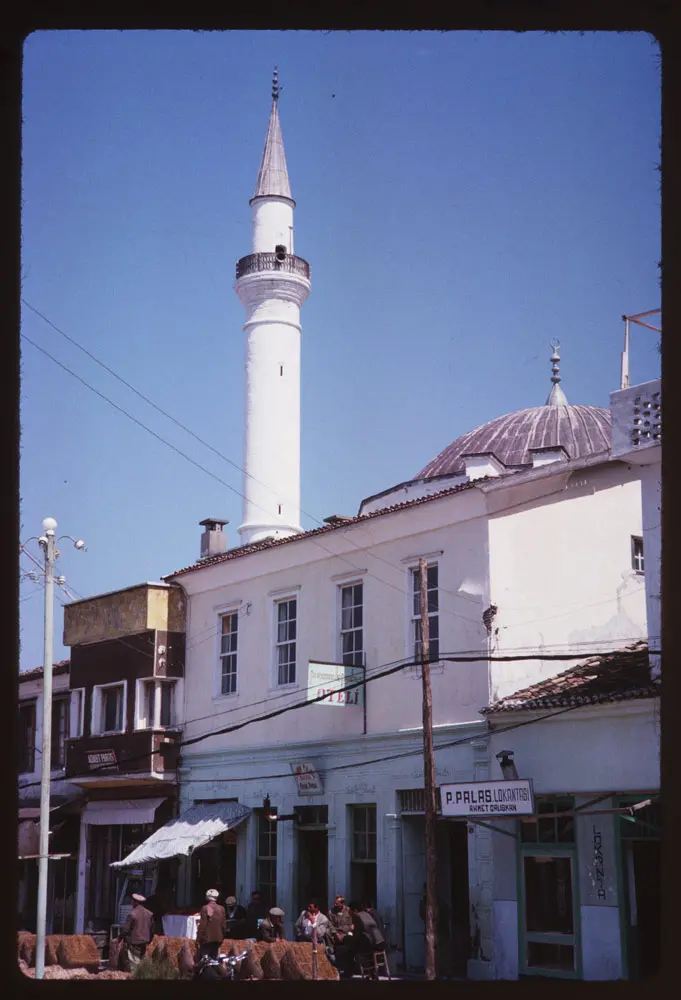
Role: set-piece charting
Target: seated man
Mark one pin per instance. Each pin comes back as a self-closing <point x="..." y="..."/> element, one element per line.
<point x="311" y="918"/>
<point x="364" y="938"/>
<point x="235" y="919"/>
<point x="340" y="919"/>
<point x="272" y="927"/>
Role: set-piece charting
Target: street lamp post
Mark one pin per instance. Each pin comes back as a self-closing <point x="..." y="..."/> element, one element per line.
<point x="47" y="543"/>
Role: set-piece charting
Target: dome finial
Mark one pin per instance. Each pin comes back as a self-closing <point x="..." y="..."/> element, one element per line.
<point x="275" y="85"/>
<point x="556" y="397"/>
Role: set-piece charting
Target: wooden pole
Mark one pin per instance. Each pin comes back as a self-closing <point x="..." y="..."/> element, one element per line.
<point x="429" y="779"/>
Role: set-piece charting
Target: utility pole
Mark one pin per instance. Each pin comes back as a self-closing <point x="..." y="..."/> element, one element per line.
<point x="48" y="544"/>
<point x="429" y="778"/>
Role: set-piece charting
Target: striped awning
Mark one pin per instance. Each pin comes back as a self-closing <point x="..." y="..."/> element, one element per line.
<point x="182" y="835"/>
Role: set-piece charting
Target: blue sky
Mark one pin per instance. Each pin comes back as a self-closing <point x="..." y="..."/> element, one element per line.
<point x="462" y="198"/>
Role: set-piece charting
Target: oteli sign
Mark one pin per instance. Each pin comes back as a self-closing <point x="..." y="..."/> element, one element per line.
<point x="487" y="798"/>
<point x="325" y="681"/>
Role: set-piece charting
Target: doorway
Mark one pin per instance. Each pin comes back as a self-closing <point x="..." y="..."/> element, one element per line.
<point x="641" y="868"/>
<point x="313" y="868"/>
<point x="214" y="867"/>
<point x="460" y="909"/>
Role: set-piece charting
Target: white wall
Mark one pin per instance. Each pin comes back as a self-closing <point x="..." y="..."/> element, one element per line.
<point x="651" y="488"/>
<point x="311" y="572"/>
<point x="272" y="224"/>
<point x="561" y="573"/>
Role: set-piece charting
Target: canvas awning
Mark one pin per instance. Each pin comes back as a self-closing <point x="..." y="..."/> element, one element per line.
<point x="120" y="812"/>
<point x="182" y="835"/>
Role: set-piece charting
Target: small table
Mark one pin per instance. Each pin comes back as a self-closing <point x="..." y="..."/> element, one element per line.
<point x="181" y="925"/>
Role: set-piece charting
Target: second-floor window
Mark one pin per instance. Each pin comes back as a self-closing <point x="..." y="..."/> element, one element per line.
<point x="286" y="625"/>
<point x="109" y="709"/>
<point x="157" y="704"/>
<point x="228" y="652"/>
<point x="76" y="724"/>
<point x="637" y="562"/>
<point x="433" y="615"/>
<point x="27" y="737"/>
<point x="60" y="730"/>
<point x="352" y="624"/>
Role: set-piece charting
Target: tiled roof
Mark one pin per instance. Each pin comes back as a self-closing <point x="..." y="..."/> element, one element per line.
<point x="617" y="676"/>
<point x="62" y="667"/>
<point x="271" y="543"/>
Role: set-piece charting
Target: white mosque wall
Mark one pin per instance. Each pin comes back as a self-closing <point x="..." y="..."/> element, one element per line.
<point x="272" y="219"/>
<point x="561" y="571"/>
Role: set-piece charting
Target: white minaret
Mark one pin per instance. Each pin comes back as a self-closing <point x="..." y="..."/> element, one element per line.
<point x="272" y="284"/>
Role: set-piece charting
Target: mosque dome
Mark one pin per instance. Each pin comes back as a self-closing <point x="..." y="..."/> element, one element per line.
<point x="580" y="430"/>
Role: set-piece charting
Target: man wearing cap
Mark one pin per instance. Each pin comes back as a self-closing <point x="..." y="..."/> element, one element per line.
<point x="340" y="919"/>
<point x="138" y="930"/>
<point x="211" y="929"/>
<point x="236" y="918"/>
<point x="272" y="927"/>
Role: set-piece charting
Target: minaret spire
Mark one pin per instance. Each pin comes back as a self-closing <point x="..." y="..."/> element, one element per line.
<point x="272" y="284"/>
<point x="273" y="174"/>
<point x="556" y="397"/>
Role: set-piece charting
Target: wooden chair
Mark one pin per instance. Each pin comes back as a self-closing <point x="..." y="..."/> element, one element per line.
<point x="371" y="963"/>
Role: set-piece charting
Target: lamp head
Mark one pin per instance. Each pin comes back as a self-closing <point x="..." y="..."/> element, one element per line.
<point x="49" y="525"/>
<point x="80" y="544"/>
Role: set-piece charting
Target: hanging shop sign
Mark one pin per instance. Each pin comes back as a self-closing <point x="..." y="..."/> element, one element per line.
<point x="488" y="798"/>
<point x="307" y="778"/>
<point x="327" y="680"/>
<point x="101" y="758"/>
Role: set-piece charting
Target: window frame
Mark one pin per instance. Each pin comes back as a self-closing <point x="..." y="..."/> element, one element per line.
<point x="97" y="707"/>
<point x="366" y="809"/>
<point x="61" y="698"/>
<point x="227" y="613"/>
<point x="77" y="713"/>
<point x="638" y="556"/>
<point x="272" y="831"/>
<point x="24" y="704"/>
<point x="284" y="598"/>
<point x="142" y="721"/>
<point x="412" y="618"/>
<point x="359" y="656"/>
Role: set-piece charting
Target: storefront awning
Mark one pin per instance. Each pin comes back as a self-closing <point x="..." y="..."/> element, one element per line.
<point x="121" y="812"/>
<point x="182" y="835"/>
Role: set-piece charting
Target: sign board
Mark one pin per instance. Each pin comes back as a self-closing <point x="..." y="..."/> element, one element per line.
<point x="101" y="759"/>
<point x="329" y="679"/>
<point x="488" y="798"/>
<point x="307" y="778"/>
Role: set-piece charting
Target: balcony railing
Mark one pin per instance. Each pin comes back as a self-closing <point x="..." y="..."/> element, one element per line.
<point x="257" y="262"/>
<point x="636" y="418"/>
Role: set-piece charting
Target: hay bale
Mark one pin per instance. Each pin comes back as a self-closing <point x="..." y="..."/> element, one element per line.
<point x="169" y="947"/>
<point x="269" y="956"/>
<point x="296" y="962"/>
<point x="234" y="946"/>
<point x="51" y="945"/>
<point x="78" y="951"/>
<point x="116" y="954"/>
<point x="111" y="974"/>
<point x="185" y="960"/>
<point x="26" y="947"/>
<point x="250" y="967"/>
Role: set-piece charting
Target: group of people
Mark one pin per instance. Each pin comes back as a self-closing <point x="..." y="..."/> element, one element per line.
<point x="345" y="932"/>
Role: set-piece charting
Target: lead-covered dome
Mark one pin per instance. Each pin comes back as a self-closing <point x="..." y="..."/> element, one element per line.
<point x="580" y="430"/>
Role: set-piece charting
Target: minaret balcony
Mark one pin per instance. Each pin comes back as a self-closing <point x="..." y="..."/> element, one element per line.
<point x="256" y="263"/>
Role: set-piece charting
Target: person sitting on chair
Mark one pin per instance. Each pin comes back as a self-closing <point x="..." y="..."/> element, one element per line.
<point x="235" y="917"/>
<point x="365" y="938"/>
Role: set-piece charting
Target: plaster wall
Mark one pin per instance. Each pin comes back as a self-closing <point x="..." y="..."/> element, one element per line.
<point x="272" y="220"/>
<point x="308" y="572"/>
<point x="561" y="573"/>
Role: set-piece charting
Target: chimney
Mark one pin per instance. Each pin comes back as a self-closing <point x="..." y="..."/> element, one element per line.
<point x="213" y="539"/>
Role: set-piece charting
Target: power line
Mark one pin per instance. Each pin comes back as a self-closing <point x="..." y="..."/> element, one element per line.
<point x="218" y="479"/>
<point x="355" y="684"/>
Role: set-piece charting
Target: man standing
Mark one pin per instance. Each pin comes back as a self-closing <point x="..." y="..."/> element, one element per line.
<point x="256" y="911"/>
<point x="236" y="918"/>
<point x="340" y="919"/>
<point x="210" y="932"/>
<point x="272" y="927"/>
<point x="137" y="932"/>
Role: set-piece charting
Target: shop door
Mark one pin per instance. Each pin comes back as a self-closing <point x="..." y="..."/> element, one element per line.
<point x="313" y="868"/>
<point x="214" y="867"/>
<point x="460" y="910"/>
<point x="413" y="888"/>
<point x="548" y="912"/>
<point x="640" y="843"/>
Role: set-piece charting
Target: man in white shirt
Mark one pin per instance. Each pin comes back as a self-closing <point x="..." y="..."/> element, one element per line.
<point x="308" y="919"/>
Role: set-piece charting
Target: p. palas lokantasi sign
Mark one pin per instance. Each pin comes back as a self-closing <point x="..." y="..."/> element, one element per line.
<point x="488" y="798"/>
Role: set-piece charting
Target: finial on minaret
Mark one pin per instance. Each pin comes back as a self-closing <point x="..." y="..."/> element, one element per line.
<point x="275" y="85"/>
<point x="556" y="397"/>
